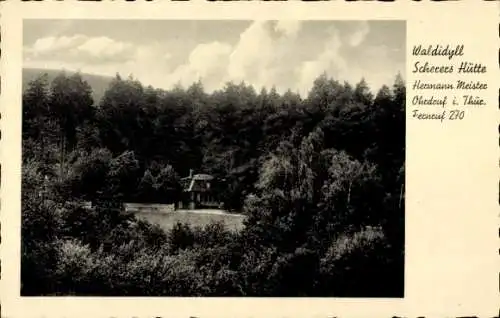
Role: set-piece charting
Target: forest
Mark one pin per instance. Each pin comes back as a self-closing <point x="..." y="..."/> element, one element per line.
<point x="320" y="178"/>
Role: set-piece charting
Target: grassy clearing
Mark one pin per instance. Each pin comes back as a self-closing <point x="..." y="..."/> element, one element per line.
<point x="194" y="218"/>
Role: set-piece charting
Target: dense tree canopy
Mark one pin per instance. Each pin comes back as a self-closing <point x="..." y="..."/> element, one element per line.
<point x="320" y="179"/>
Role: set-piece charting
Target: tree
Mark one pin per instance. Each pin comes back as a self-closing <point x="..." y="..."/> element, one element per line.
<point x="39" y="126"/>
<point x="40" y="229"/>
<point x="36" y="103"/>
<point x="90" y="174"/>
<point x="123" y="176"/>
<point x="320" y="179"/>
<point x="167" y="185"/>
<point x="71" y="103"/>
<point x="146" y="191"/>
<point x="362" y="93"/>
<point x="120" y="116"/>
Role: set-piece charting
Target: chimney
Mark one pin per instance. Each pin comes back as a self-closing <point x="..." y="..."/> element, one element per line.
<point x="190" y="173"/>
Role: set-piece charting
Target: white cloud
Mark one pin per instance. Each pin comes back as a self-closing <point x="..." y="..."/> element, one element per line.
<point x="50" y="44"/>
<point x="252" y="53"/>
<point x="384" y="70"/>
<point x="80" y="48"/>
<point x="262" y="59"/>
<point x="105" y="47"/>
<point x="100" y="55"/>
<point x="267" y="53"/>
<point x="373" y="63"/>
<point x="256" y="58"/>
<point x="359" y="34"/>
<point x="329" y="60"/>
<point x="206" y="62"/>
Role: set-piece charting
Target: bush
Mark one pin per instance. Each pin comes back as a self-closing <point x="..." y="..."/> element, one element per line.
<point x="74" y="268"/>
<point x="181" y="236"/>
<point x="356" y="265"/>
<point x="40" y="228"/>
<point x="255" y="269"/>
<point x="213" y="234"/>
<point x="90" y="173"/>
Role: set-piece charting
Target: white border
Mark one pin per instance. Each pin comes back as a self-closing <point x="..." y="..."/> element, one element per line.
<point x="452" y="170"/>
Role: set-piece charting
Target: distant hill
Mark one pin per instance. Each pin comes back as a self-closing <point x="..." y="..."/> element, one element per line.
<point x="98" y="83"/>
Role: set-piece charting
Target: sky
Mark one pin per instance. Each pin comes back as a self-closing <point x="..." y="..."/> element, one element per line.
<point x="287" y="54"/>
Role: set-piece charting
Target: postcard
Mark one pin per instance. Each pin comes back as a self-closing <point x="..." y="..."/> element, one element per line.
<point x="249" y="159"/>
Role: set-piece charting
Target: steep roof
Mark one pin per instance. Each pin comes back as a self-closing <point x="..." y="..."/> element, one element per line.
<point x="197" y="182"/>
<point x="205" y="177"/>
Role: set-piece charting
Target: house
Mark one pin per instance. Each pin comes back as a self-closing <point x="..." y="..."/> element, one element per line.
<point x="199" y="191"/>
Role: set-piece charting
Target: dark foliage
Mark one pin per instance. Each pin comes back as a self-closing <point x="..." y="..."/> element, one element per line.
<point x="320" y="180"/>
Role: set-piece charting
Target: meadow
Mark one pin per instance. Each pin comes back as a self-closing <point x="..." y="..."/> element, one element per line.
<point x="199" y="218"/>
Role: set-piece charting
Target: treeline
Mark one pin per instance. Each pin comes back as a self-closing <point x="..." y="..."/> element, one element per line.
<point x="321" y="180"/>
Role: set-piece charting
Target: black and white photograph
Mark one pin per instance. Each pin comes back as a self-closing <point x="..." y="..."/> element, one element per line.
<point x="213" y="158"/>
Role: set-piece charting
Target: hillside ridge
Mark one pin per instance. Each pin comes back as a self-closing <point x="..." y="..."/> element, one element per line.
<point x="98" y="83"/>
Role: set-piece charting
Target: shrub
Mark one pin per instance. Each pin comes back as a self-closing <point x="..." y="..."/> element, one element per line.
<point x="213" y="234"/>
<point x="255" y="269"/>
<point x="74" y="268"/>
<point x="181" y="236"/>
<point x="90" y="173"/>
<point x="356" y="265"/>
<point x="40" y="228"/>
